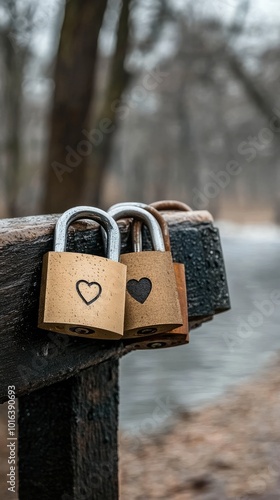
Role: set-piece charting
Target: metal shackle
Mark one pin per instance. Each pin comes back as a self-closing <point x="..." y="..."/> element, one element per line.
<point x="105" y="220"/>
<point x="137" y="228"/>
<point x="122" y="210"/>
<point x="166" y="205"/>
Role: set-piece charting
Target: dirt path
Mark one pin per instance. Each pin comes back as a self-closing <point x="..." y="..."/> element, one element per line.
<point x="229" y="450"/>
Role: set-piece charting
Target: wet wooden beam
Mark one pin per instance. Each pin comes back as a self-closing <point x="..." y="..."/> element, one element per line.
<point x="68" y="444"/>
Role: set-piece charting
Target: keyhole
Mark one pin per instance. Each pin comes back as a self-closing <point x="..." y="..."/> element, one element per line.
<point x="156" y="345"/>
<point x="81" y="331"/>
<point x="146" y="331"/>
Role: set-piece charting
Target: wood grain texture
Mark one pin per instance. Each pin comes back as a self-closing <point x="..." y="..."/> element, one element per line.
<point x="68" y="438"/>
<point x="31" y="358"/>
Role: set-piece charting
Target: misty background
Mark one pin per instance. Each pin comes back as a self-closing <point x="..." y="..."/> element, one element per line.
<point x="140" y="100"/>
<point x="176" y="100"/>
<point x="127" y="100"/>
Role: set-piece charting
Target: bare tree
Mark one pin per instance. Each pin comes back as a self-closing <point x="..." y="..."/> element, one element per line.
<point x="79" y="150"/>
<point x="74" y="77"/>
<point x="108" y="114"/>
<point x="15" y="34"/>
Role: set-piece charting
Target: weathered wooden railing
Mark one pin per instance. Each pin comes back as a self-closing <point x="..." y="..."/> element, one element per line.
<point x="68" y="387"/>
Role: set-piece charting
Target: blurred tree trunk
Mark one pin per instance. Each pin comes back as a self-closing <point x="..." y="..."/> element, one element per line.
<point x="267" y="107"/>
<point x="78" y="152"/>
<point x="14" y="64"/>
<point x="187" y="153"/>
<point x="106" y="122"/>
<point x="14" y="56"/>
<point x="74" y="77"/>
<point x="253" y="89"/>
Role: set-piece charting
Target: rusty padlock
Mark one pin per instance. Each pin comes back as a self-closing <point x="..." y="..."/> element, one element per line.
<point x="152" y="302"/>
<point x="81" y="294"/>
<point x="172" y="205"/>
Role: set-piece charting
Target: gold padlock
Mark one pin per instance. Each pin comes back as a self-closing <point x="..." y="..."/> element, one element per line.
<point x="152" y="302"/>
<point x="81" y="294"/>
<point x="180" y="276"/>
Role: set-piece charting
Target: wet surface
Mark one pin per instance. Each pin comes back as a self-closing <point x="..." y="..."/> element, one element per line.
<point x="222" y="353"/>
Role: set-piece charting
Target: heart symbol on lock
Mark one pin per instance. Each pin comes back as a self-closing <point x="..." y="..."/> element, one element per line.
<point x="82" y="291"/>
<point x="139" y="290"/>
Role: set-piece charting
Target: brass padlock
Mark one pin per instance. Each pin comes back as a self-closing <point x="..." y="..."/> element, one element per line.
<point x="180" y="276"/>
<point x="152" y="302"/>
<point x="180" y="335"/>
<point x="81" y="294"/>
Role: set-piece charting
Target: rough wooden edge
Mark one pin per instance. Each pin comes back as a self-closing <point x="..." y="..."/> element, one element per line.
<point x="29" y="228"/>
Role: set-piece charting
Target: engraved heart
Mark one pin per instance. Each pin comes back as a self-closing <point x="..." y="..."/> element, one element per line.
<point x="87" y="293"/>
<point x="139" y="290"/>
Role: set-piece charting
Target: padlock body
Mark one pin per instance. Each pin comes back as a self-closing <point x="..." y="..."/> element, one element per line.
<point x="180" y="276"/>
<point x="179" y="336"/>
<point x="152" y="303"/>
<point x="161" y="341"/>
<point x="82" y="295"/>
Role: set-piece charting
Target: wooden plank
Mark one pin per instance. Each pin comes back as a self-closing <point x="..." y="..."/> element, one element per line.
<point x="216" y="273"/>
<point x="32" y="358"/>
<point x="68" y="438"/>
<point x="196" y="243"/>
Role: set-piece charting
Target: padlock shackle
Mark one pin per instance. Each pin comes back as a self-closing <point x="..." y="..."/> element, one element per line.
<point x="96" y="214"/>
<point x="137" y="228"/>
<point x="130" y="210"/>
<point x="171" y="205"/>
